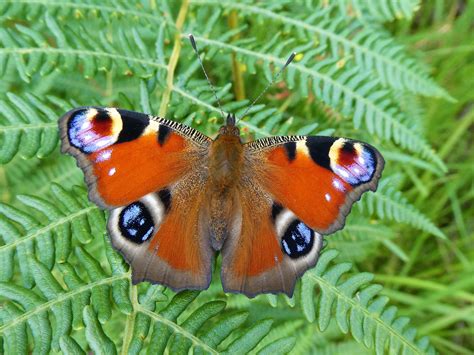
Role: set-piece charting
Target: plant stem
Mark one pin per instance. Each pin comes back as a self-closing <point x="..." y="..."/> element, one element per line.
<point x="174" y="58"/>
<point x="239" y="88"/>
<point x="130" y="325"/>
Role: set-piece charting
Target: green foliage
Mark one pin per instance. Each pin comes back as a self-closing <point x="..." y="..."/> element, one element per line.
<point x="358" y="308"/>
<point x="360" y="72"/>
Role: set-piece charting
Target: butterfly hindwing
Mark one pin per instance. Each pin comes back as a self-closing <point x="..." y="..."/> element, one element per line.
<point x="126" y="155"/>
<point x="269" y="248"/>
<point x="164" y="237"/>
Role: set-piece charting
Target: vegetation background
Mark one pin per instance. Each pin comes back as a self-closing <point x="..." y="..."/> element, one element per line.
<point x="395" y="73"/>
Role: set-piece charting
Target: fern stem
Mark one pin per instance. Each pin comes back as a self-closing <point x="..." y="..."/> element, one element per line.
<point x="130" y="325"/>
<point x="59" y="299"/>
<point x="173" y="59"/>
<point x="178" y="329"/>
<point x="239" y="88"/>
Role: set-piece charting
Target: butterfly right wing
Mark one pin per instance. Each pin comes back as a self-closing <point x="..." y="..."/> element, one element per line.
<point x="296" y="190"/>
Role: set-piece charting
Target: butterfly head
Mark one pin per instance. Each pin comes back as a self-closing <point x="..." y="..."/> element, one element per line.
<point x="230" y="129"/>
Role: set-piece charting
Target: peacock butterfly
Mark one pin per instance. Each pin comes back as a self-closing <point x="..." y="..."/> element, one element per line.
<point x="176" y="197"/>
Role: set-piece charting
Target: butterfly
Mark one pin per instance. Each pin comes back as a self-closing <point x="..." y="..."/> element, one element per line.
<point x="177" y="197"/>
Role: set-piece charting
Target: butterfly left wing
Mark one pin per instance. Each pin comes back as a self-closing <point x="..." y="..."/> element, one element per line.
<point x="150" y="173"/>
<point x="299" y="189"/>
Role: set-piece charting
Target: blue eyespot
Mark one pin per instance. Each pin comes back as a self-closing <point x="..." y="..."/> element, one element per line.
<point x="136" y="223"/>
<point x="297" y="240"/>
<point x="90" y="135"/>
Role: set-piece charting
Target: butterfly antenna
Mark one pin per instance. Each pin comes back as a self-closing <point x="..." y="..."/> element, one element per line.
<point x="275" y="77"/>
<point x="193" y="44"/>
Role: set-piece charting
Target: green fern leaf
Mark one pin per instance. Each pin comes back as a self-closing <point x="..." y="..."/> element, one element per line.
<point x="371" y="50"/>
<point x="70" y="346"/>
<point x="26" y="127"/>
<point x="351" y="90"/>
<point x="99" y="342"/>
<point x="357" y="308"/>
<point x="382" y="10"/>
<point x="47" y="226"/>
<point x="34" y="54"/>
<point x="388" y="203"/>
<point x="60" y="303"/>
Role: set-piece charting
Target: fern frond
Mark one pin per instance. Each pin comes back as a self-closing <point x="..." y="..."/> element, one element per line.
<point x="204" y="329"/>
<point x="357" y="308"/>
<point x="371" y="50"/>
<point x="63" y="9"/>
<point x="26" y="127"/>
<point x="99" y="342"/>
<point x="66" y="305"/>
<point x="23" y="176"/>
<point x="351" y="91"/>
<point x="380" y="10"/>
<point x="388" y="203"/>
<point x="361" y="238"/>
<point x="44" y="228"/>
<point x="277" y="342"/>
<point x="34" y="53"/>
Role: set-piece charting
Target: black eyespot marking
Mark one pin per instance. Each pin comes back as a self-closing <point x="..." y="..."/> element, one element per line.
<point x="136" y="223"/>
<point x="290" y="149"/>
<point x="102" y="115"/>
<point x="297" y="240"/>
<point x="348" y="147"/>
<point x="276" y="209"/>
<point x="134" y="124"/>
<point x="165" y="197"/>
<point x="163" y="134"/>
<point x="319" y="150"/>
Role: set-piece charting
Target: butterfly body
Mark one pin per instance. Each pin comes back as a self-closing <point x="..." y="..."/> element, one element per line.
<point x="177" y="197"/>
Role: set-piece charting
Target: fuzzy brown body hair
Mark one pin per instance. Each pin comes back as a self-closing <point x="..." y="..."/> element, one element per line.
<point x="226" y="160"/>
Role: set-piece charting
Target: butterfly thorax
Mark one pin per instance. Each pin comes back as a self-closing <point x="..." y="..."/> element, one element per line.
<point x="226" y="157"/>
